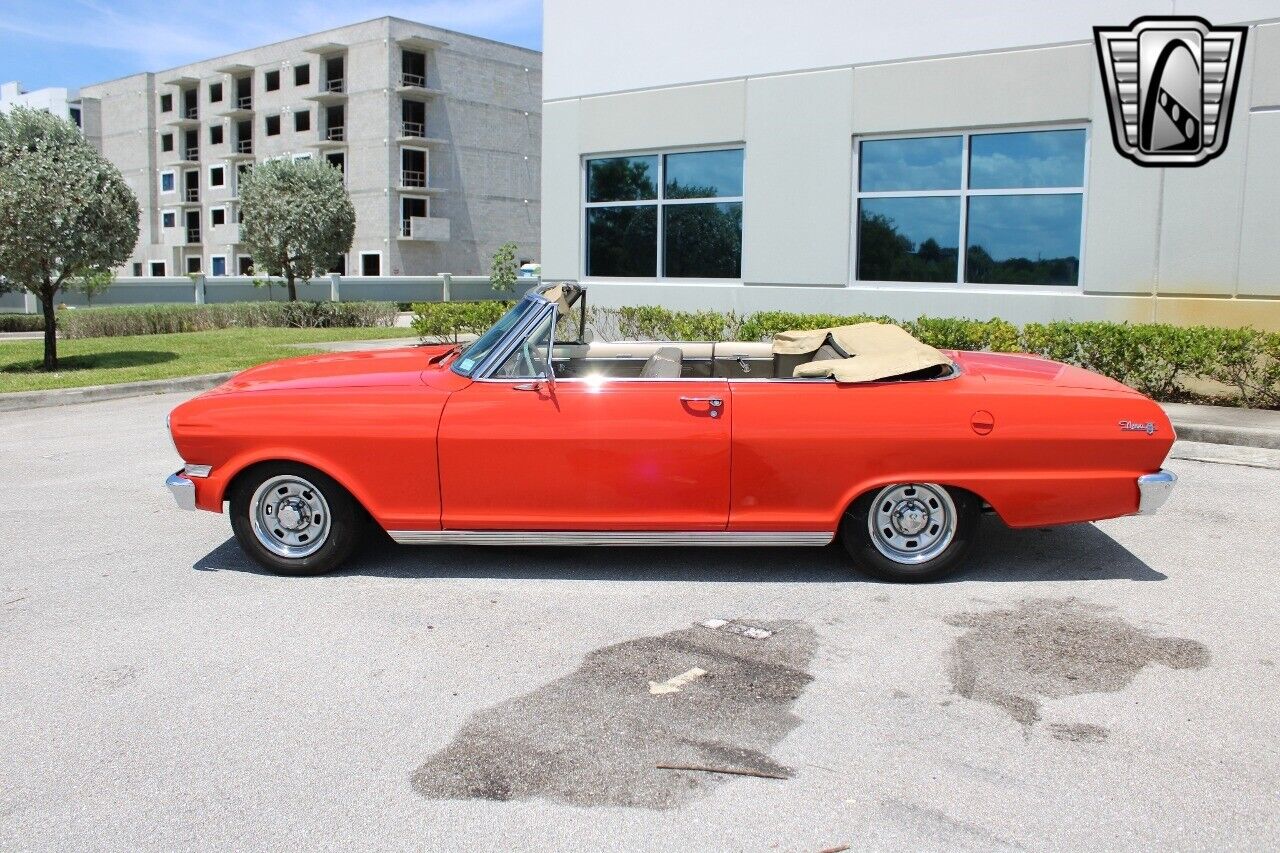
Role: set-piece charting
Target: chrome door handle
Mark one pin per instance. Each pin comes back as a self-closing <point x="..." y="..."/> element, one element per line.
<point x="714" y="404"/>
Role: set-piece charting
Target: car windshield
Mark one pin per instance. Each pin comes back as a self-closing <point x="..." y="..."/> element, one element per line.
<point x="480" y="349"/>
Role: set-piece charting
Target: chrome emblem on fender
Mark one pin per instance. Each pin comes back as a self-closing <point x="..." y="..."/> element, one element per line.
<point x="1137" y="426"/>
<point x="1170" y="84"/>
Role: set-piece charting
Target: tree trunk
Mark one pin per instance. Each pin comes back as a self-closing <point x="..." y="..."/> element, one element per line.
<point x="50" y="328"/>
<point x="293" y="290"/>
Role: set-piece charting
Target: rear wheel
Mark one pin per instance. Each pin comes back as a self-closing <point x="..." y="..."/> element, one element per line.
<point x="293" y="519"/>
<point x="910" y="531"/>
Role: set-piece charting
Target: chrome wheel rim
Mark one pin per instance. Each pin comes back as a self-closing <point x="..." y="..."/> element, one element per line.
<point x="289" y="516"/>
<point x="912" y="523"/>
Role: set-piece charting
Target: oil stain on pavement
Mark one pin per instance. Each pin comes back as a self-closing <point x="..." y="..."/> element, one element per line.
<point x="1050" y="648"/>
<point x="595" y="736"/>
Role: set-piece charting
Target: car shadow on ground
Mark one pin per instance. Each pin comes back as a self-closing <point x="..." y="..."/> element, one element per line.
<point x="1072" y="552"/>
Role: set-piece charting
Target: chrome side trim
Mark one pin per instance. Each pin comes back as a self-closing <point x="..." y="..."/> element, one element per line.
<point x="1154" y="490"/>
<point x="182" y="489"/>
<point x="619" y="538"/>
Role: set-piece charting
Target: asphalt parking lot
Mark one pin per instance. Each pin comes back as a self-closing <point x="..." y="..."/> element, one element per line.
<point x="1108" y="686"/>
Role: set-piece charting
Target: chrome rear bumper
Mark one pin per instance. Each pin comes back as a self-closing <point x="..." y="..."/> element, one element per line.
<point x="182" y="489"/>
<point x="1154" y="490"/>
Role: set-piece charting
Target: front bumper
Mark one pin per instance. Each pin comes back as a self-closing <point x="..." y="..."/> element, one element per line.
<point x="182" y="489"/>
<point x="1154" y="490"/>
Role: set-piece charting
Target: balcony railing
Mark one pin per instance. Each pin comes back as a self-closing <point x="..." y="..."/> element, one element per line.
<point x="191" y="194"/>
<point x="406" y="227"/>
<point x="413" y="128"/>
<point x="193" y="235"/>
<point x="335" y="134"/>
<point x="244" y="102"/>
<point x="191" y="153"/>
<point x="337" y="85"/>
<point x="191" y="112"/>
<point x="244" y="146"/>
<point x="413" y="178"/>
<point x="418" y="80"/>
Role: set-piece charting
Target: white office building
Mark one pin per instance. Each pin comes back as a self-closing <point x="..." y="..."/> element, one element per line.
<point x="61" y="102"/>
<point x="920" y="157"/>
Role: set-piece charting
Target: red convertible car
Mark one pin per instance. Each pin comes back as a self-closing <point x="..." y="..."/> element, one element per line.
<point x="535" y="434"/>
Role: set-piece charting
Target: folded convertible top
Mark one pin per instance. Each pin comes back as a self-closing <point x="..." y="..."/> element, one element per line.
<point x="872" y="351"/>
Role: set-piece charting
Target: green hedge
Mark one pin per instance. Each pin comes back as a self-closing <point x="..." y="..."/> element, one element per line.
<point x="21" y="323"/>
<point x="447" y="320"/>
<point x="121" y="320"/>
<point x="1156" y="359"/>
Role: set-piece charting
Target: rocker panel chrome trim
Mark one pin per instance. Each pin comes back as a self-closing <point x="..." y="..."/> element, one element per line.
<point x="619" y="538"/>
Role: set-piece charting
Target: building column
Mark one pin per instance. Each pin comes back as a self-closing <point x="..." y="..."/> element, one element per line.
<point x="335" y="287"/>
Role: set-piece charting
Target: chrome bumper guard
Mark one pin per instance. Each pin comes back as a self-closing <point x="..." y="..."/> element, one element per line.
<point x="1154" y="490"/>
<point x="182" y="489"/>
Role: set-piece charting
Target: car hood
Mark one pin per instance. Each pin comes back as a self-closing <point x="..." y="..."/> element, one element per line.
<point x="365" y="368"/>
<point x="1019" y="369"/>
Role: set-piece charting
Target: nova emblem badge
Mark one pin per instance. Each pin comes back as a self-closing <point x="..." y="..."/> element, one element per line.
<point x="1171" y="85"/>
<point x="1135" y="426"/>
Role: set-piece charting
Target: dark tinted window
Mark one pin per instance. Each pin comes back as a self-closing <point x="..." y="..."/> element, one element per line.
<point x="302" y="120"/>
<point x="215" y="92"/>
<point x="703" y="174"/>
<point x="166" y="103"/>
<point x="622" y="178"/>
<point x="273" y="125"/>
<point x="925" y="163"/>
<point x="215" y="134"/>
<point x="301" y="75"/>
<point x="272" y="80"/>
<point x="1046" y="158"/>
<point x="1024" y="239"/>
<point x="622" y="241"/>
<point x="703" y="240"/>
<point x="166" y="142"/>
<point x="908" y="239"/>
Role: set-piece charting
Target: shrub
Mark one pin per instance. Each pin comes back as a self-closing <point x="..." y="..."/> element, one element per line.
<point x="653" y="323"/>
<point x="447" y="320"/>
<point x="21" y="323"/>
<point x="1248" y="361"/>
<point x="167" y="319"/>
<point x="763" y="325"/>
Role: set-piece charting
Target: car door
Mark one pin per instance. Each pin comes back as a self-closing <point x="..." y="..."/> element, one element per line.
<point x="528" y="453"/>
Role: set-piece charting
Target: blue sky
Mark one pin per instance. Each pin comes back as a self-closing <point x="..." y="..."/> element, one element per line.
<point x="76" y="42"/>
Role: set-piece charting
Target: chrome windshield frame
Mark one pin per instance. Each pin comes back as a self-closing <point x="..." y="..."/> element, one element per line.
<point x="515" y="335"/>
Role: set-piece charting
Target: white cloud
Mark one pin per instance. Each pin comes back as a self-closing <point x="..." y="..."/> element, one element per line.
<point x="160" y="35"/>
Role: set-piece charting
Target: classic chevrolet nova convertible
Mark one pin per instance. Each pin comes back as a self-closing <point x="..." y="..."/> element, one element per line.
<point x="535" y="434"/>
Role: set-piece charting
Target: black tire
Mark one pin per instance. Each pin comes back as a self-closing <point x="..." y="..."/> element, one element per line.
<point x="345" y="522"/>
<point x="856" y="536"/>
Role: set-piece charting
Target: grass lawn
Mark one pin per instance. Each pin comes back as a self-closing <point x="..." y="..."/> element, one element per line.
<point x="106" y="361"/>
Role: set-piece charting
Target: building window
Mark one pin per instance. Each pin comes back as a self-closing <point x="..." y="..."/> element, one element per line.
<point x="157" y="268"/>
<point x="218" y="216"/>
<point x="167" y="182"/>
<point x="168" y="219"/>
<point x="668" y="215"/>
<point x="137" y="269"/>
<point x="166" y="103"/>
<point x="271" y="80"/>
<point x="193" y="263"/>
<point x="337" y="160"/>
<point x="301" y="74"/>
<point x="302" y="120"/>
<point x="215" y="134"/>
<point x="244" y="264"/>
<point x="370" y="263"/>
<point x="166" y="142"/>
<point x="215" y="93"/>
<point x="1014" y="200"/>
<point x="217" y="176"/>
<point x="218" y="265"/>
<point x="273" y="125"/>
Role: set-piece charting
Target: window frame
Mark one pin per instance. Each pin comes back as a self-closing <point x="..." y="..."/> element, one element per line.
<point x="151" y="269"/>
<point x="305" y="67"/>
<point x="372" y="253"/>
<point x="213" y="258"/>
<point x="267" y="80"/>
<point x="221" y="169"/>
<point x="169" y="212"/>
<point x="215" y="209"/>
<point x="659" y="202"/>
<point x="160" y="182"/>
<point x="964" y="193"/>
<point x="266" y="124"/>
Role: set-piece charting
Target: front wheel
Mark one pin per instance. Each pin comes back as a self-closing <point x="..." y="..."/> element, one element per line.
<point x="910" y="532"/>
<point x="293" y="519"/>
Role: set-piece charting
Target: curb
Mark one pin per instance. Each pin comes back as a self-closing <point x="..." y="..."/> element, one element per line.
<point x="22" y="400"/>
<point x="1240" y="436"/>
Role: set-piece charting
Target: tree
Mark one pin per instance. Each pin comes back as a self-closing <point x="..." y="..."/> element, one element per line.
<point x="65" y="212"/>
<point x="92" y="283"/>
<point x="502" y="275"/>
<point x="298" y="219"/>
